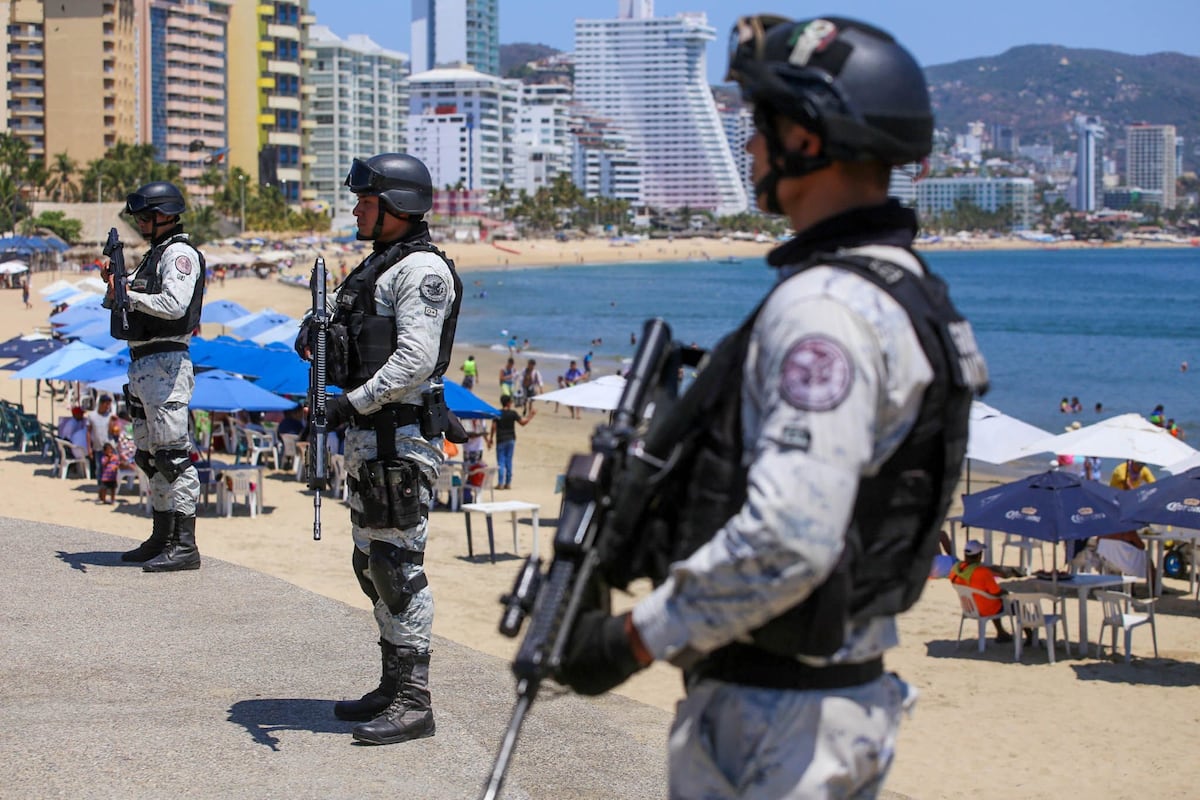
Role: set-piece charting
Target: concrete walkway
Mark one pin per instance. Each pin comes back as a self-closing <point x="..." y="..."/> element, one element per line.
<point x="220" y="683"/>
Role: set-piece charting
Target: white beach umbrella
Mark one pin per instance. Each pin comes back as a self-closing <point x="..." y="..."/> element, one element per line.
<point x="603" y="393"/>
<point x="1128" y="436"/>
<point x="996" y="437"/>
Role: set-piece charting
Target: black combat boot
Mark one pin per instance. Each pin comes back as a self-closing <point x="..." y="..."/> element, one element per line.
<point x="181" y="552"/>
<point x="164" y="526"/>
<point x="374" y="702"/>
<point x="410" y="715"/>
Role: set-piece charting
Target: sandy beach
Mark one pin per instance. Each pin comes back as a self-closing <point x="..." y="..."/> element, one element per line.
<point x="1084" y="727"/>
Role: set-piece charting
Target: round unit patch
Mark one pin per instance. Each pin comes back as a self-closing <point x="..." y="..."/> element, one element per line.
<point x="184" y="265"/>
<point x="816" y="375"/>
<point x="433" y="289"/>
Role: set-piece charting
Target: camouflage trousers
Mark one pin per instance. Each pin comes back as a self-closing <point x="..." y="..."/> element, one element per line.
<point x="730" y="741"/>
<point x="412" y="627"/>
<point x="163" y="382"/>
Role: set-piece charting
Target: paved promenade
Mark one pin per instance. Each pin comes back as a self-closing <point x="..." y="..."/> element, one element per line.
<point x="220" y="683"/>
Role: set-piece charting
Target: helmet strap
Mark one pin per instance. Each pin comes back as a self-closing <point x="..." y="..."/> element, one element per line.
<point x="784" y="164"/>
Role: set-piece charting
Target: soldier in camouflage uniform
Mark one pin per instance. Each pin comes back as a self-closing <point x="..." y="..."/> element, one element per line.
<point x="165" y="294"/>
<point x="392" y="328"/>
<point x="805" y="514"/>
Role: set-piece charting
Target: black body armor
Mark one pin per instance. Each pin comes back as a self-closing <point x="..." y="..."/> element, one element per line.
<point x="147" y="279"/>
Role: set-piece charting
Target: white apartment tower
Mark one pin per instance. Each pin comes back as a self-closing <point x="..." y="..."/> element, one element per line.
<point x="461" y="124"/>
<point x="456" y="32"/>
<point x="647" y="75"/>
<point x="739" y="127"/>
<point x="1089" y="165"/>
<point x="1150" y="160"/>
<point x="358" y="109"/>
<point x="542" y="139"/>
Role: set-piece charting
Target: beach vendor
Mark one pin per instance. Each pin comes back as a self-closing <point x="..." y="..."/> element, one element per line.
<point x="830" y="430"/>
<point x="165" y="293"/>
<point x="397" y="310"/>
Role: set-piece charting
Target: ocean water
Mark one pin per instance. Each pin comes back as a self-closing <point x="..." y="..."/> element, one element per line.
<point x="1104" y="325"/>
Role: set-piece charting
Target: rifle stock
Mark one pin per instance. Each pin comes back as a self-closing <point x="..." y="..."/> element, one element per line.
<point x="318" y="475"/>
<point x="552" y="600"/>
<point x="114" y="249"/>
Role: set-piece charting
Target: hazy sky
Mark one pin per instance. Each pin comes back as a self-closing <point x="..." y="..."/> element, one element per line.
<point x="937" y="31"/>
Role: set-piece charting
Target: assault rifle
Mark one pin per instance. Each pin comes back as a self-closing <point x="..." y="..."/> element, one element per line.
<point x="114" y="249"/>
<point x="318" y="475"/>
<point x="553" y="600"/>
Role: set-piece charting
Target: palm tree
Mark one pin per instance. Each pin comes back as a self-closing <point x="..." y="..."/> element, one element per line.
<point x="61" y="185"/>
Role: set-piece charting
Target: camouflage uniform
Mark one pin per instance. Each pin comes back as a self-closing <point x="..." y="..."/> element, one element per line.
<point x="834" y="382"/>
<point x="408" y="291"/>
<point x="163" y="382"/>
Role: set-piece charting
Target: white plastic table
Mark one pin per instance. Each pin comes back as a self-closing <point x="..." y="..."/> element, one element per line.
<point x="488" y="509"/>
<point x="1082" y="585"/>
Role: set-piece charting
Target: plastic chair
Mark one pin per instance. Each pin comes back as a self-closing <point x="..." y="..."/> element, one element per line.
<point x="127" y="478"/>
<point x="1028" y="615"/>
<point x="287" y="450"/>
<point x="144" y="490"/>
<point x="450" y="481"/>
<point x="237" y="483"/>
<point x="258" y="446"/>
<point x="338" y="475"/>
<point x="68" y="459"/>
<point x="1025" y="546"/>
<point x="1116" y="615"/>
<point x="967" y="596"/>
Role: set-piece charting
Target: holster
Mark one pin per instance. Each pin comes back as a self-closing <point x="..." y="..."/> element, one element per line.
<point x="391" y="495"/>
<point x="438" y="419"/>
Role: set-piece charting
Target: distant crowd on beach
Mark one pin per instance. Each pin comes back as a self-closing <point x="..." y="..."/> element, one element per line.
<point x="1073" y="406"/>
<point x="1156" y="417"/>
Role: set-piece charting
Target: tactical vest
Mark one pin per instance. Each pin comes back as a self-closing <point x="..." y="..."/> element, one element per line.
<point x="360" y="340"/>
<point x="147" y="279"/>
<point x="893" y="533"/>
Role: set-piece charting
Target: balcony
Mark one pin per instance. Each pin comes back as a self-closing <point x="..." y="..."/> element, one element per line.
<point x="290" y="32"/>
<point x="283" y="103"/>
<point x="283" y="67"/>
<point x="308" y="89"/>
<point x="266" y="10"/>
<point x="308" y="124"/>
<point x="266" y="82"/>
<point x="284" y="139"/>
<point x="308" y="159"/>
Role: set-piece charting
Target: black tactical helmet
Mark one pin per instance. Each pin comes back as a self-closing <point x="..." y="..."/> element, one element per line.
<point x="847" y="81"/>
<point x="158" y="196"/>
<point x="401" y="182"/>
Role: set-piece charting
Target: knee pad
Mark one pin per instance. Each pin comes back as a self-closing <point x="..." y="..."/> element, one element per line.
<point x="171" y="463"/>
<point x="386" y="565"/>
<point x="362" y="571"/>
<point x="145" y="460"/>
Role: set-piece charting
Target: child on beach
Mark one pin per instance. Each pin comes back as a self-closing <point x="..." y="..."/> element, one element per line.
<point x="109" y="464"/>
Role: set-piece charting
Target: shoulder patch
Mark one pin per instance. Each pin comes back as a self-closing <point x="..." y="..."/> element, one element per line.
<point x="184" y="265"/>
<point x="816" y="375"/>
<point x="433" y="289"/>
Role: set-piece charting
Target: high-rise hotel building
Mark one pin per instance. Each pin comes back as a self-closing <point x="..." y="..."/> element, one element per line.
<point x="266" y="54"/>
<point x="181" y="83"/>
<point x="72" y="76"/>
<point x="446" y="32"/>
<point x="1150" y="159"/>
<point x="359" y="107"/>
<point x="648" y="76"/>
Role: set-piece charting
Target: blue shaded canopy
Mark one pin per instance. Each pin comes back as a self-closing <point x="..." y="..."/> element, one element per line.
<point x="1175" y="500"/>
<point x="265" y="323"/>
<point x="218" y="390"/>
<point x="97" y="369"/>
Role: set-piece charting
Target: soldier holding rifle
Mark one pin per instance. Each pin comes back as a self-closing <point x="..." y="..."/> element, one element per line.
<point x="821" y="446"/>
<point x="157" y="312"/>
<point x="388" y="345"/>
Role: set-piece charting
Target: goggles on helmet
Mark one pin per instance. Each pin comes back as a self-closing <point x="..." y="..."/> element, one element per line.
<point x="136" y="203"/>
<point x="748" y="41"/>
<point x="363" y="180"/>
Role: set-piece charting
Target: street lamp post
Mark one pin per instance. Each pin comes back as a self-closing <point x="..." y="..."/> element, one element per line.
<point x="242" y="180"/>
<point x="99" y="203"/>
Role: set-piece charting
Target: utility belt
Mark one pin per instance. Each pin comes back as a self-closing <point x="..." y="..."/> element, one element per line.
<point x="395" y="415"/>
<point x="390" y="491"/>
<point x="751" y="666"/>
<point x="154" y="348"/>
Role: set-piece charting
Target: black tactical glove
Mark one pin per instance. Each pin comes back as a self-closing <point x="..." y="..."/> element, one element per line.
<point x="338" y="410"/>
<point x="303" y="344"/>
<point x="599" y="656"/>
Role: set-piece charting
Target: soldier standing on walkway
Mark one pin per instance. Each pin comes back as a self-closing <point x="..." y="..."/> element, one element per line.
<point x="165" y="294"/>
<point x="391" y="332"/>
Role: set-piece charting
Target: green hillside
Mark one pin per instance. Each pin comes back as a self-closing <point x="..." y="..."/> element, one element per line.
<point x="1037" y="89"/>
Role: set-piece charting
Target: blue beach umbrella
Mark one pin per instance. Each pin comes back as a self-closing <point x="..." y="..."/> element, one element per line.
<point x="97" y="369"/>
<point x="265" y="323"/>
<point x="218" y="390"/>
<point x="60" y="361"/>
<point x="222" y="312"/>
<point x="1053" y="506"/>
<point x="1175" y="500"/>
<point x="20" y="347"/>
<point x="465" y="404"/>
